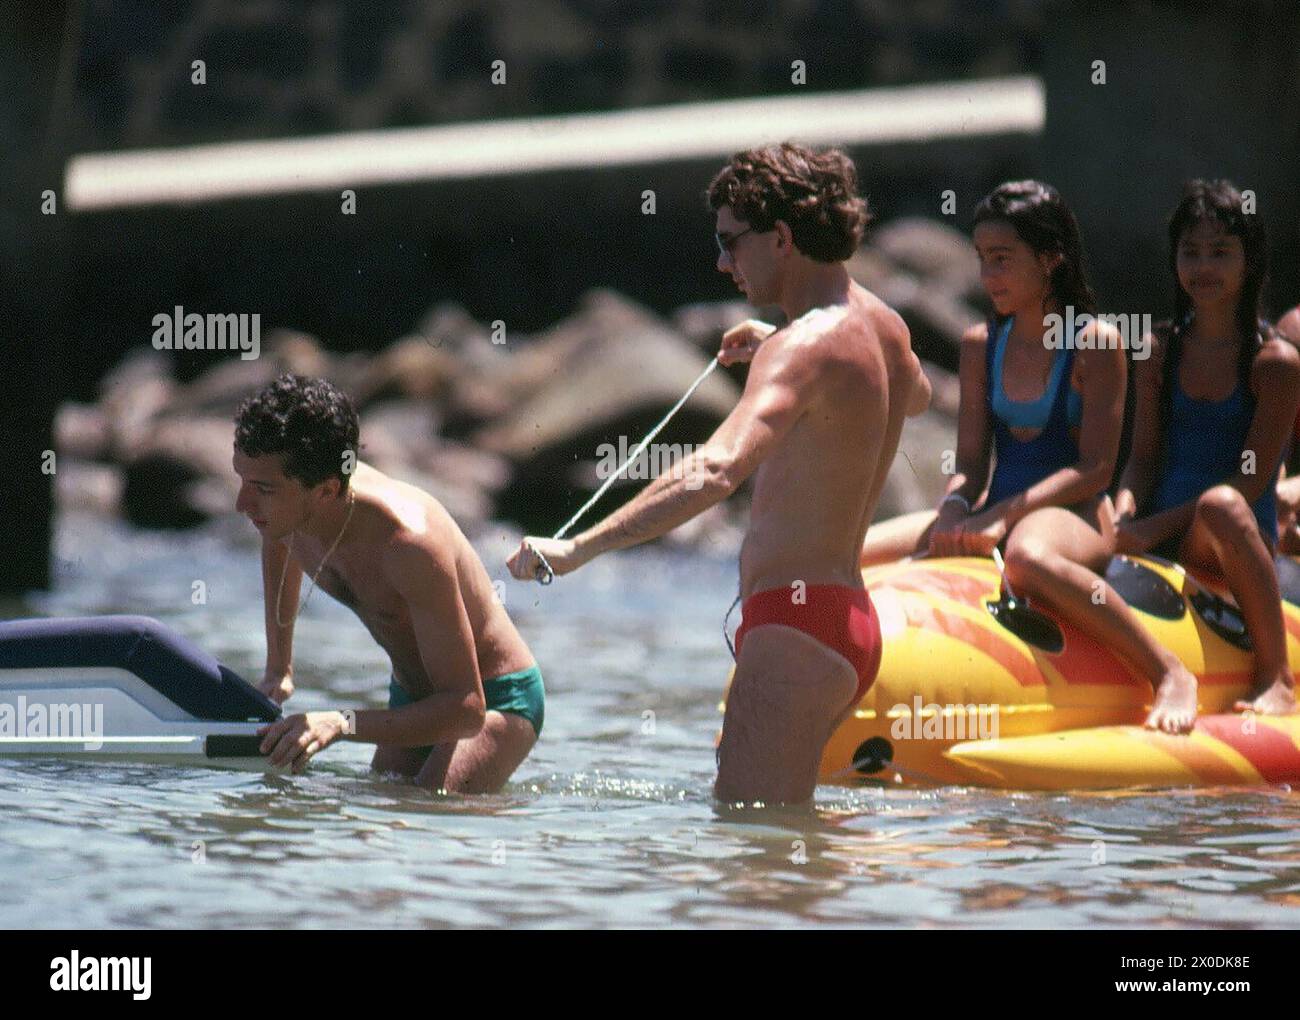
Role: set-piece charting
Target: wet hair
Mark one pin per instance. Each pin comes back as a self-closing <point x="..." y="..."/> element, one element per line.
<point x="311" y="423"/>
<point x="814" y="193"/>
<point x="1043" y="221"/>
<point x="1217" y="202"/>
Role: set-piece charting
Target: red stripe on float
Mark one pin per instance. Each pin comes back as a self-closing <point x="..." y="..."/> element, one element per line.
<point x="1272" y="753"/>
<point x="981" y="638"/>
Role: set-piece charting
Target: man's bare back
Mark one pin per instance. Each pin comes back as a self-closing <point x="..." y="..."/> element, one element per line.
<point x="816" y="492"/>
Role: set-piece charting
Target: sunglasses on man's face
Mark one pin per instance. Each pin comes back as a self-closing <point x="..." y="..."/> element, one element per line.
<point x="725" y="244"/>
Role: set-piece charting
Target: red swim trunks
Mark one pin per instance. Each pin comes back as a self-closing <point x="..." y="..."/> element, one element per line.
<point x="841" y="618"/>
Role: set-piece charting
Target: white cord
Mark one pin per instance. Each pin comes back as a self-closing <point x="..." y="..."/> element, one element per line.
<point x="545" y="574"/>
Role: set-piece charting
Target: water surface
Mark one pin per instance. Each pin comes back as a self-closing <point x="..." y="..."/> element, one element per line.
<point x="609" y="823"/>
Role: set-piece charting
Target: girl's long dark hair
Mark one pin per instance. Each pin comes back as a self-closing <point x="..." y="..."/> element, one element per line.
<point x="1217" y="202"/>
<point x="1043" y="221"/>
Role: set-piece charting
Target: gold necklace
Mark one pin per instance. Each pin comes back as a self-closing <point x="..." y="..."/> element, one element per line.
<point x="352" y="502"/>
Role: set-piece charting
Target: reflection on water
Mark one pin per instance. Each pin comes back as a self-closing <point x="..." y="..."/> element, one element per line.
<point x="610" y="823"/>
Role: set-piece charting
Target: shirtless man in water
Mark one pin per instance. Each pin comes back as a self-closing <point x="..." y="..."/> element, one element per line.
<point x="819" y="422"/>
<point x="466" y="697"/>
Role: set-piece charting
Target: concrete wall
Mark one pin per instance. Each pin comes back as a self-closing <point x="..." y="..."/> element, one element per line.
<point x="1193" y="90"/>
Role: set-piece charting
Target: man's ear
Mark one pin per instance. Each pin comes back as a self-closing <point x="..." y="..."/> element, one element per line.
<point x="331" y="488"/>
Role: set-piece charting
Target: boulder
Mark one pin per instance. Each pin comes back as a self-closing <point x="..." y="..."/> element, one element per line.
<point x="704" y="323"/>
<point x="607" y="374"/>
<point x="933" y="251"/>
<point x="179" y="474"/>
<point x="220" y="389"/>
<point x="616" y="361"/>
<point x="408" y="368"/>
<point x="81" y="431"/>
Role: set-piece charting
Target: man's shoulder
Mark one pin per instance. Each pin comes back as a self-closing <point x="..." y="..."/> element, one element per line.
<point x="836" y="330"/>
<point x="414" y="528"/>
<point x="1289" y="325"/>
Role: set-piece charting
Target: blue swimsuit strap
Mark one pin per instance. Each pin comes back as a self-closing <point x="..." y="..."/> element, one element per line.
<point x="1025" y="414"/>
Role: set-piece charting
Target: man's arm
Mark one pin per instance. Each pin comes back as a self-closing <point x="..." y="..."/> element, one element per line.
<point x="776" y="393"/>
<point x="425" y="576"/>
<point x="277" y="679"/>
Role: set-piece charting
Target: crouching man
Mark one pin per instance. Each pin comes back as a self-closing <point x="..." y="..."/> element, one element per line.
<point x="466" y="697"/>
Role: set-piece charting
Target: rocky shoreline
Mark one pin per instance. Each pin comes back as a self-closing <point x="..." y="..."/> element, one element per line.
<point x="500" y="426"/>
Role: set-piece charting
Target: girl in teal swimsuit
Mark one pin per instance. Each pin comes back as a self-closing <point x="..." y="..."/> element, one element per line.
<point x="1215" y="408"/>
<point x="1046" y="416"/>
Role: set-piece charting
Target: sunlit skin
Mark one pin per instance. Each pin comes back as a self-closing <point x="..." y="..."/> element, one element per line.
<point x="412" y="578"/>
<point x="816" y="426"/>
<point x="1221" y="534"/>
<point x="278" y="505"/>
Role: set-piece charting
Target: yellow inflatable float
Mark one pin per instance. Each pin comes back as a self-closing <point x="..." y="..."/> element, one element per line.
<point x="978" y="689"/>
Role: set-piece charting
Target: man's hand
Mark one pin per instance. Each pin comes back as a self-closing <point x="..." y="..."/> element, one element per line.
<point x="276" y="685"/>
<point x="561" y="554"/>
<point x="294" y="739"/>
<point x="742" y="341"/>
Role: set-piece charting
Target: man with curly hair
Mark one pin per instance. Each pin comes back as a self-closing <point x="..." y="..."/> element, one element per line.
<point x="817" y="426"/>
<point x="466" y="698"/>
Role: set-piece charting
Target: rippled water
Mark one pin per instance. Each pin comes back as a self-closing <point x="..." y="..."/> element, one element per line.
<point x="606" y="824"/>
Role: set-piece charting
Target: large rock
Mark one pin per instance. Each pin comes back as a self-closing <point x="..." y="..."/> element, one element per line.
<point x="609" y="372"/>
<point x="929" y="274"/>
<point x="931" y="250"/>
<point x="220" y="389"/>
<point x="180" y="474"/>
<point x="132" y="395"/>
<point x="81" y="431"/>
<point x="87" y="487"/>
<point x="409" y="368"/>
<point x="704" y="323"/>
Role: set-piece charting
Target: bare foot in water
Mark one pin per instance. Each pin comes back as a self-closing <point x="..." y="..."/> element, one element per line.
<point x="1276" y="698"/>
<point x="1174" y="710"/>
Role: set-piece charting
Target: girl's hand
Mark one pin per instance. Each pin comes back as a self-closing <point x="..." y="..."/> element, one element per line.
<point x="982" y="534"/>
<point x="945" y="533"/>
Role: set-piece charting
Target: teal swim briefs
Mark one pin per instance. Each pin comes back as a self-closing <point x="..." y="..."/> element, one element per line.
<point x="521" y="693"/>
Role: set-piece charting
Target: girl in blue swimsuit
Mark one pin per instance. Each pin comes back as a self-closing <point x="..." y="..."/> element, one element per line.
<point x="1216" y="403"/>
<point x="1052" y="421"/>
<point x="1046" y="415"/>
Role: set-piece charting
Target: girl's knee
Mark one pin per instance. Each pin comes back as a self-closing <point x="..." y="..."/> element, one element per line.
<point x="1223" y="508"/>
<point x="1028" y="559"/>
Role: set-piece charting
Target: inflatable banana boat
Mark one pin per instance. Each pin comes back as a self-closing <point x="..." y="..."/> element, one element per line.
<point x="123" y="687"/>
<point x="978" y="688"/>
